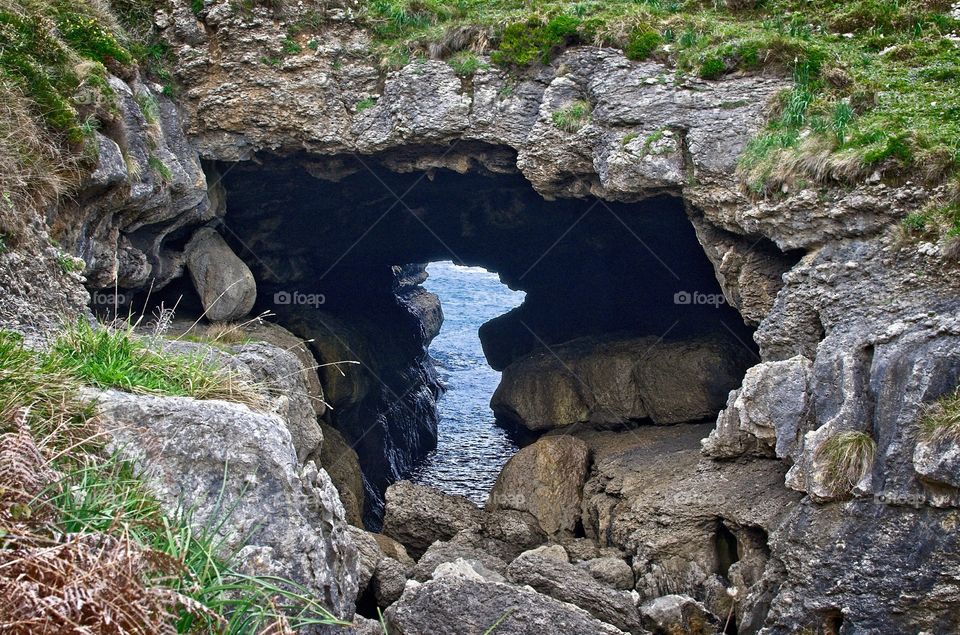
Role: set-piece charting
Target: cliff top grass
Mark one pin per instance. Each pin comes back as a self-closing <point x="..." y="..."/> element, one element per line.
<point x="876" y="82"/>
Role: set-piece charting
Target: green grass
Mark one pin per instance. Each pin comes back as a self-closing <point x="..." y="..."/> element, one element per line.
<point x="117" y="358"/>
<point x="853" y="110"/>
<point x="465" y="63"/>
<point x="69" y="264"/>
<point x="89" y="492"/>
<point x="847" y="458"/>
<point x="942" y="419"/>
<point x="161" y="168"/>
<point x="366" y="104"/>
<point x="572" y="117"/>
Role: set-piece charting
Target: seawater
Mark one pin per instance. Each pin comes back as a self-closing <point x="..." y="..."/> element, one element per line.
<point x="471" y="448"/>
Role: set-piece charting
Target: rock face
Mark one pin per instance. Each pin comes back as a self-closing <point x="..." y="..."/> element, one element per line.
<point x="615" y="381"/>
<point x="224" y="283"/>
<point x="545" y="479"/>
<point x="341" y="463"/>
<point x="688" y="523"/>
<point x="452" y="605"/>
<point x="212" y="455"/>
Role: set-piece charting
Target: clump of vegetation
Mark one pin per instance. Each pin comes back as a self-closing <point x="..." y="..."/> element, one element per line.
<point x="161" y="168"/>
<point x="465" y="63"/>
<point x="534" y="40"/>
<point x="847" y="458"/>
<point x="941" y="419"/>
<point x="69" y="264"/>
<point x="366" y="103"/>
<point x="117" y="358"/>
<point x="644" y="40"/>
<point x="76" y="522"/>
<point x="573" y="116"/>
<point x="290" y="46"/>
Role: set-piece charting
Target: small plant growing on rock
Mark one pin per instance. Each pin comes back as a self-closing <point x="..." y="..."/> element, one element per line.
<point x="366" y="104"/>
<point x="847" y="458"/>
<point x="643" y="41"/>
<point x="941" y="419"/>
<point x="572" y="117"/>
<point x="465" y="64"/>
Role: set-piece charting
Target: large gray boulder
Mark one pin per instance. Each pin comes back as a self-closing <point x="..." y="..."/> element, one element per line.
<point x="417" y="516"/>
<point x="568" y="583"/>
<point x="456" y="605"/>
<point x="679" y="614"/>
<point x="224" y="283"/>
<point x="211" y="456"/>
<point x="610" y="381"/>
<point x="545" y="479"/>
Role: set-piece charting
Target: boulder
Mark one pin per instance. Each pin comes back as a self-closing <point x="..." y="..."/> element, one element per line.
<point x="617" y="380"/>
<point x="365" y="626"/>
<point x="678" y="615"/>
<point x="566" y="582"/>
<point x="454" y="605"/>
<point x="224" y="283"/>
<point x="210" y="456"/>
<point x="545" y="479"/>
<point x="417" y="516"/>
<point x="389" y="580"/>
<point x="383" y="574"/>
<point x="467" y="570"/>
<point x="613" y="572"/>
<point x="442" y="552"/>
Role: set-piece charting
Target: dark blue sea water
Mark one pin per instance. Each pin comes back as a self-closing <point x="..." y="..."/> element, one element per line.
<point x="471" y="449"/>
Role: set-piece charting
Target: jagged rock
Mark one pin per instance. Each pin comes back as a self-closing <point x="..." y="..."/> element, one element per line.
<point x="442" y="552"/>
<point x="393" y="549"/>
<point x="619" y="380"/>
<point x="343" y="465"/>
<point x="210" y="456"/>
<point x="545" y="479"/>
<point x="678" y="615"/>
<point x="938" y="461"/>
<point x="569" y="583"/>
<point x="383" y="573"/>
<point x="224" y="283"/>
<point x="418" y="516"/>
<point x="467" y="569"/>
<point x="768" y="414"/>
<point x="275" y="334"/>
<point x="582" y="549"/>
<point x="613" y="572"/>
<point x="506" y="532"/>
<point x="453" y="605"/>
<point x="853" y="566"/>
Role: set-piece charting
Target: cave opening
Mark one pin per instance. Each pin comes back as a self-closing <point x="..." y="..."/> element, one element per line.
<point x="339" y="248"/>
<point x="471" y="449"/>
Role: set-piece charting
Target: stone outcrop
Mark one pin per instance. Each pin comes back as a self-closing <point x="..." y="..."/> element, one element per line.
<point x="688" y="523"/>
<point x="676" y="614"/>
<point x="342" y="464"/>
<point x="614" y="381"/>
<point x="210" y="456"/>
<point x="545" y="479"/>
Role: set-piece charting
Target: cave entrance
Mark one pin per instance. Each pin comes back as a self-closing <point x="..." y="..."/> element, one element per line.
<point x="330" y="242"/>
<point x="471" y="448"/>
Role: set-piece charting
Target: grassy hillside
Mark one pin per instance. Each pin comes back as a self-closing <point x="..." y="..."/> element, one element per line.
<point x="877" y="81"/>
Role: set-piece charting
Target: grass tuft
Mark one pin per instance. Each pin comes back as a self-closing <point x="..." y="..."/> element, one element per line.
<point x="573" y="116"/>
<point x="941" y="419"/>
<point x="847" y="457"/>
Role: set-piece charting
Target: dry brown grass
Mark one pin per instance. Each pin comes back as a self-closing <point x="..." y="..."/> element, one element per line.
<point x="34" y="167"/>
<point x="847" y="458"/>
